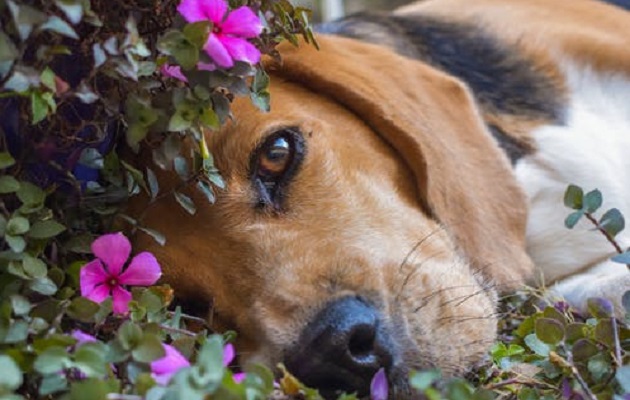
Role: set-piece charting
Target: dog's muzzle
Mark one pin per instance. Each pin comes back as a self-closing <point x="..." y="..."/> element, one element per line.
<point x="342" y="349"/>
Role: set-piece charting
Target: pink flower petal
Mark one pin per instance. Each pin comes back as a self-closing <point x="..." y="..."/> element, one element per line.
<point x="379" y="388"/>
<point x="82" y="337"/>
<point x="217" y="51"/>
<point x="121" y="299"/>
<point x="241" y="49"/>
<point x="113" y="249"/>
<point x="242" y="22"/>
<point x="173" y="71"/>
<point x="163" y="369"/>
<point x="228" y="354"/>
<point x="202" y="66"/>
<point x="99" y="294"/>
<point x="239" y="377"/>
<point x="143" y="270"/>
<point x="203" y="10"/>
<point x="91" y="275"/>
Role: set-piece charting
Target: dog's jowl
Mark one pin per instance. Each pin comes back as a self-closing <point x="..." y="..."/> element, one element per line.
<point x="408" y="172"/>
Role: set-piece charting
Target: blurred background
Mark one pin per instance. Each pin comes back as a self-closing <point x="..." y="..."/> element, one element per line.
<point x="325" y="10"/>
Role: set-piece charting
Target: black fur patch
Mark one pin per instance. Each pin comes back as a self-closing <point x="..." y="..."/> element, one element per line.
<point x="501" y="79"/>
<point x="625" y="4"/>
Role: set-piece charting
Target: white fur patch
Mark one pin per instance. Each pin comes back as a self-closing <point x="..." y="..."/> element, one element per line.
<point x="593" y="151"/>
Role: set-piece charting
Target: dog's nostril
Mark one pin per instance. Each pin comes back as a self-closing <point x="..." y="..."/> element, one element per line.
<point x="342" y="348"/>
<point x="361" y="343"/>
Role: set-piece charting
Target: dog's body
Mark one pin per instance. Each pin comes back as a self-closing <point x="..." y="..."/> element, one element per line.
<point x="370" y="216"/>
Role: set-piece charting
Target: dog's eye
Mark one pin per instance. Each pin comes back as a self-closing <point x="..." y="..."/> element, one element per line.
<point x="274" y="163"/>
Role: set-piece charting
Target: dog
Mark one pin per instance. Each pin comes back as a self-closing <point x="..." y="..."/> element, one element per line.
<point x="409" y="171"/>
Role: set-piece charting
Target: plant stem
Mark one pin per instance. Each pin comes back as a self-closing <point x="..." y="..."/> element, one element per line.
<point x="611" y="239"/>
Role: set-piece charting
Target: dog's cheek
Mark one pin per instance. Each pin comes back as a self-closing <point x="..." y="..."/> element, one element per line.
<point x="451" y="315"/>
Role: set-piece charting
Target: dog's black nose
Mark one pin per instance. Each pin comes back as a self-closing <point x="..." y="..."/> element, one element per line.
<point x="342" y="349"/>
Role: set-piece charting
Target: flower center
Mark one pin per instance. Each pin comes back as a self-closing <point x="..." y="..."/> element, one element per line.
<point x="216" y="29"/>
<point x="112" y="282"/>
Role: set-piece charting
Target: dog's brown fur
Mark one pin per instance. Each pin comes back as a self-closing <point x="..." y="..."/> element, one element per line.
<point x="403" y="197"/>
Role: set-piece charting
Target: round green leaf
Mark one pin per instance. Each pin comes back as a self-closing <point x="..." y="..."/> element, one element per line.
<point x="90" y="359"/>
<point x="52" y="360"/>
<point x="6" y="160"/>
<point x="34" y="267"/>
<point x="43" y="286"/>
<point x="46" y="229"/>
<point x="573" y="197"/>
<point x="8" y="184"/>
<point x="149" y="349"/>
<point x="549" y="330"/>
<point x="592" y="201"/>
<point x="11" y="376"/>
<point x="17" y="225"/>
<point x="583" y="349"/>
<point x="612" y="222"/>
<point x="600" y="307"/>
<point x="83" y="309"/>
<point x="16" y="243"/>
<point x="30" y="194"/>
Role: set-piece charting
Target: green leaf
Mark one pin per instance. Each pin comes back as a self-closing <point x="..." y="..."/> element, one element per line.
<point x="262" y="100"/>
<point x="623" y="377"/>
<point x="149" y="349"/>
<point x="549" y="330"/>
<point x="176" y="44"/>
<point x="90" y="359"/>
<point x="39" y="107"/>
<point x="186" y="203"/>
<point x="154" y="187"/>
<point x="197" y="33"/>
<point x="612" y="222"/>
<point x="16" y="243"/>
<point x="574" y="197"/>
<point x="623" y="258"/>
<point x="3" y="225"/>
<point x="536" y="345"/>
<point x="34" y="267"/>
<point x="83" y="309"/>
<point x="207" y="191"/>
<point x="583" y="349"/>
<point x="181" y="167"/>
<point x="157" y="236"/>
<point x="8" y="52"/>
<point x="30" y="194"/>
<point x="43" y="286"/>
<point x="18" y="225"/>
<point x="600" y="307"/>
<point x="20" y="305"/>
<point x="593" y="201"/>
<point x="58" y="25"/>
<point x="129" y="335"/>
<point x="45" y="229"/>
<point x="17" y="332"/>
<point x="210" y="361"/>
<point x="11" y="376"/>
<point x="94" y="389"/>
<point x="72" y="8"/>
<point x="8" y="184"/>
<point x="6" y="160"/>
<point x="422" y="380"/>
<point x="52" y="384"/>
<point x="209" y="118"/>
<point x="573" y="218"/>
<point x="54" y="359"/>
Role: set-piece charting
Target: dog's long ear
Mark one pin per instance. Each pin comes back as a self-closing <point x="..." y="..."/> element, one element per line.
<point x="431" y="120"/>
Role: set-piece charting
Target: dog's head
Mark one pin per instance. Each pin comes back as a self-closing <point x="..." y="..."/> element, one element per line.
<point x="365" y="223"/>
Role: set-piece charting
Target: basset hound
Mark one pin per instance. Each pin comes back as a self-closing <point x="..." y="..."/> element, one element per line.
<point x="410" y="170"/>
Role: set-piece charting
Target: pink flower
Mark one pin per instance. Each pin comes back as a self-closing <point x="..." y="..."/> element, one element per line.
<point x="379" y="388"/>
<point x="163" y="369"/>
<point x="227" y="41"/>
<point x="228" y="356"/>
<point x="82" y="337"/>
<point x="173" y="71"/>
<point x="103" y="277"/>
